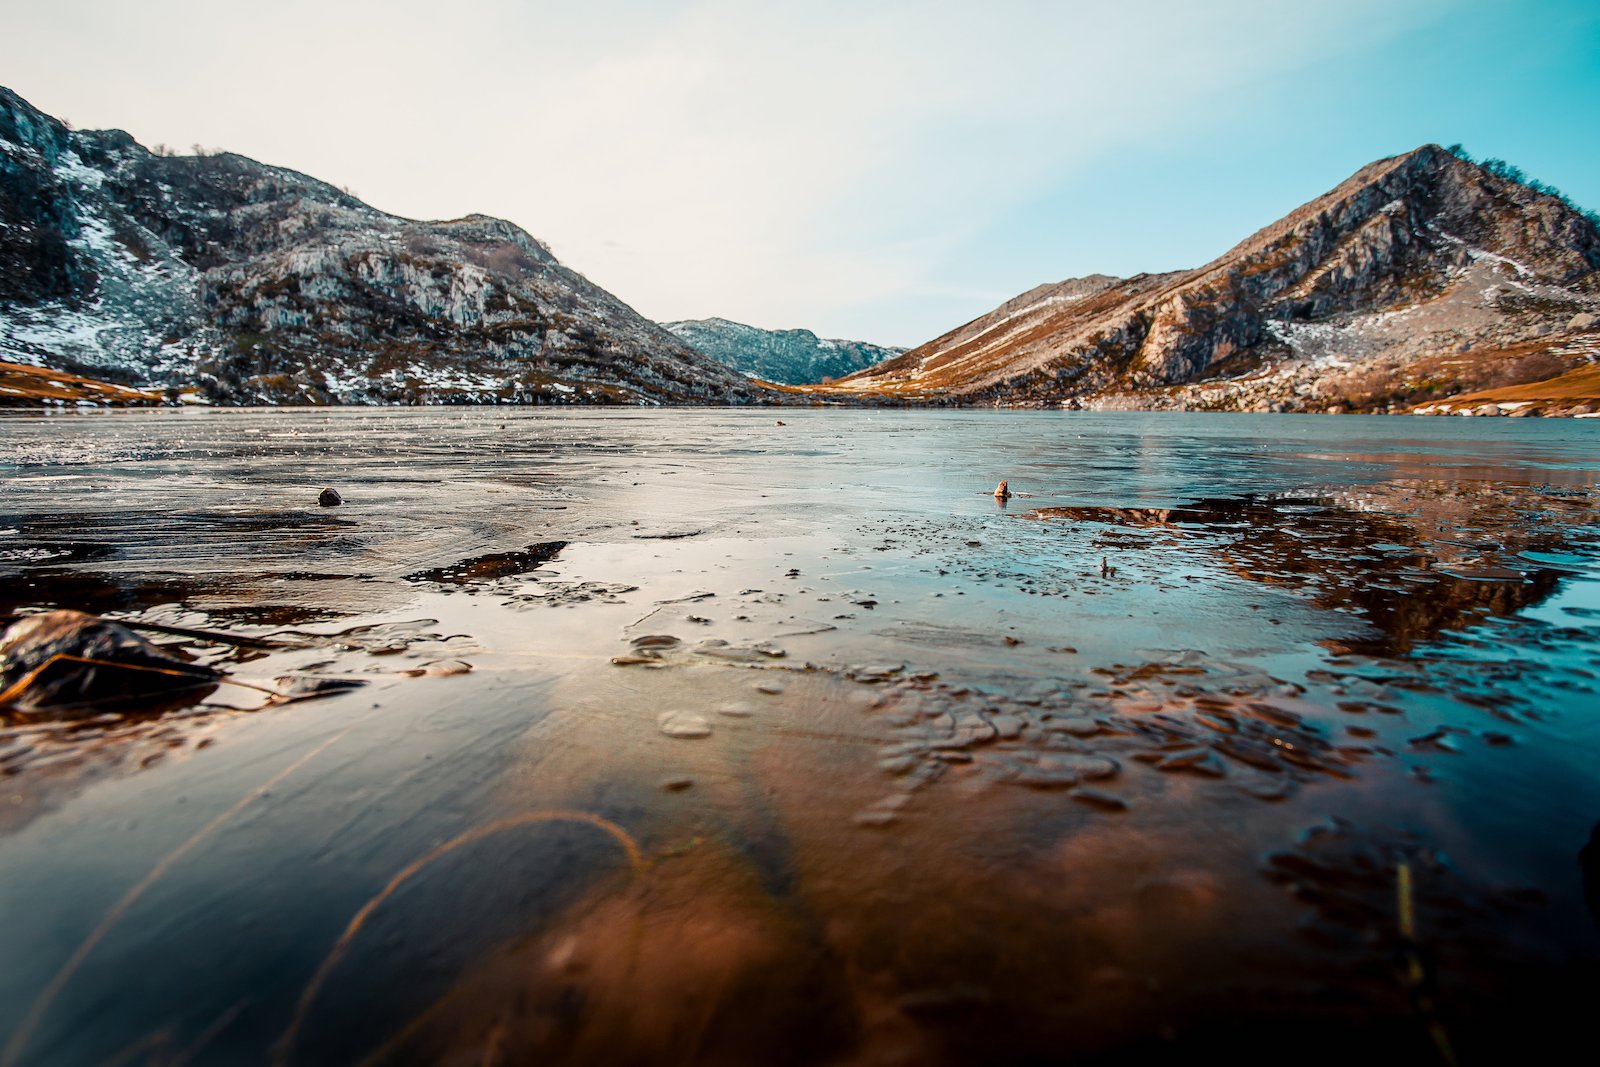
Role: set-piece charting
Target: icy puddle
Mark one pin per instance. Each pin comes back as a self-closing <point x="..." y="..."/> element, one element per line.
<point x="686" y="737"/>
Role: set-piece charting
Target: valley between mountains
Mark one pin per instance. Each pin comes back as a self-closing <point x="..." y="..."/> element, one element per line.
<point x="1425" y="283"/>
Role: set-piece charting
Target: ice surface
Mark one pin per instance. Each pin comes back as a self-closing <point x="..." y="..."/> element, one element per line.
<point x="861" y="766"/>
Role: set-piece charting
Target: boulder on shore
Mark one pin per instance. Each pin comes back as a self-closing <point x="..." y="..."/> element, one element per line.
<point x="70" y="659"/>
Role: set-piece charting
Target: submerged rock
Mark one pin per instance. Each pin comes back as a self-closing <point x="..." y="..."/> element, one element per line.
<point x="69" y="659"/>
<point x="293" y="687"/>
<point x="685" y="725"/>
<point x="656" y="641"/>
<point x="1097" y="798"/>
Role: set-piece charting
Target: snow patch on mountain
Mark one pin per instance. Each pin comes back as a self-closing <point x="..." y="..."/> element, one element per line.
<point x="219" y="276"/>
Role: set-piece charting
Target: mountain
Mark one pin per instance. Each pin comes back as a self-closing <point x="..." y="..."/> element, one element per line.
<point x="218" y="277"/>
<point x="1422" y="276"/>
<point x="790" y="357"/>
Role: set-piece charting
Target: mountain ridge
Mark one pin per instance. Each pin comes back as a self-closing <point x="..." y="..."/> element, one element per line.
<point x="219" y="278"/>
<point x="213" y="277"/>
<point x="788" y="357"/>
<point x="1294" y="313"/>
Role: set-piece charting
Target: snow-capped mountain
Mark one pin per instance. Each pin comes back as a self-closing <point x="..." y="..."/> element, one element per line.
<point x="789" y="357"/>
<point x="1421" y="277"/>
<point x="221" y="278"/>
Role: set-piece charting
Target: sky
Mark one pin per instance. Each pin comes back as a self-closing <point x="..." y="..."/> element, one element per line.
<point x="879" y="171"/>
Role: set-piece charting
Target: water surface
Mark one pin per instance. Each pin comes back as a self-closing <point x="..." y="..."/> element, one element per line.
<point x="694" y="736"/>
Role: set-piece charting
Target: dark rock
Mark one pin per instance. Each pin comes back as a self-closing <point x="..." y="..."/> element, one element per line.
<point x="492" y="565"/>
<point x="656" y="641"/>
<point x="330" y="498"/>
<point x="63" y="660"/>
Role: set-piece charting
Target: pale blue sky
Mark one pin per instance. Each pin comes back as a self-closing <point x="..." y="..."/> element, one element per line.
<point x="874" y="170"/>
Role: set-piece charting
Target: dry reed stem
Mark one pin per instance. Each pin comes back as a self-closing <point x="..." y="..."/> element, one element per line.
<point x="622" y="837"/>
<point x="1416" y="970"/>
<point x="11" y="1054"/>
<point x="492" y="1050"/>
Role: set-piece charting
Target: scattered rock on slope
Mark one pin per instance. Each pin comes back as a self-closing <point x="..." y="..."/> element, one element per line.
<point x="1421" y="276"/>
<point x="789" y="357"/>
<point x="244" y="283"/>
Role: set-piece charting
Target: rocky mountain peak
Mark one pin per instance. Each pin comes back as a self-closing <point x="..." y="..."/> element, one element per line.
<point x="231" y="280"/>
<point x="788" y="357"/>
<point x="24" y="125"/>
<point x="1411" y="257"/>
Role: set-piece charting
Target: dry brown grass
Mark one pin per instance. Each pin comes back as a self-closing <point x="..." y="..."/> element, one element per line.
<point x="21" y="384"/>
<point x="1579" y="384"/>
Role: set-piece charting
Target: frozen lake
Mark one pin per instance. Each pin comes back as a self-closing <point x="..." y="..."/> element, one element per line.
<point x="691" y="736"/>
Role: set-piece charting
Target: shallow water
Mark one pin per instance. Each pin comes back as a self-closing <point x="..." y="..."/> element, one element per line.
<point x="1268" y="736"/>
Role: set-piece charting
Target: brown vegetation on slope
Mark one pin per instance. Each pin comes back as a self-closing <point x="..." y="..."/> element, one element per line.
<point x="23" y="385"/>
<point x="1577" y="392"/>
<point x="1419" y="256"/>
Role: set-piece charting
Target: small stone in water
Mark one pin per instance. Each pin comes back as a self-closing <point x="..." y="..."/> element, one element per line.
<point x="770" y="688"/>
<point x="1098" y="799"/>
<point x="443" y="668"/>
<point x="1066" y="769"/>
<point x="656" y="641"/>
<point x="1046" y="776"/>
<point x="899" y="764"/>
<point x="1007" y="726"/>
<point x="683" y="724"/>
<point x="1276" y="789"/>
<point x="1199" y="760"/>
<point x="330" y="498"/>
<point x="301" y="686"/>
<point x="736" y="710"/>
<point x="677" y="783"/>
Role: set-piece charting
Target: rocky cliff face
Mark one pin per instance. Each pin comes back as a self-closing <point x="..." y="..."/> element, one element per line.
<point x="1421" y="276"/>
<point x="225" y="279"/>
<point x="789" y="357"/>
